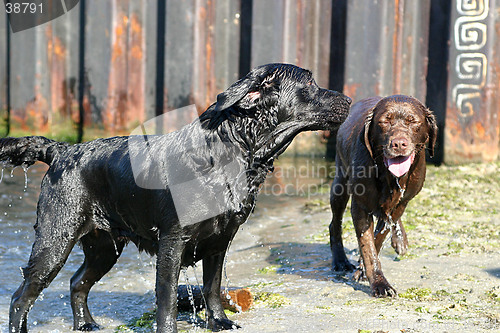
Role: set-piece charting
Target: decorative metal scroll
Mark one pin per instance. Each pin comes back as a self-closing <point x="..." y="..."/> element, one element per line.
<point x="470" y="36"/>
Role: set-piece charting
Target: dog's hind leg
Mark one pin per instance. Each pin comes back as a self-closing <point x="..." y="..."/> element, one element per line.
<point x="51" y="248"/>
<point x="212" y="274"/>
<point x="339" y="196"/>
<point x="101" y="253"/>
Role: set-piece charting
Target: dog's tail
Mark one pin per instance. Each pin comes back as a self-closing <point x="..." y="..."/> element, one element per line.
<point x="29" y="149"/>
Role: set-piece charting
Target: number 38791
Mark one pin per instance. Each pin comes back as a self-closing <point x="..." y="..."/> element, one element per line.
<point x="23" y="8"/>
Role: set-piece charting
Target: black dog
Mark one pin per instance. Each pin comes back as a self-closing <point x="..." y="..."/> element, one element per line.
<point x="181" y="196"/>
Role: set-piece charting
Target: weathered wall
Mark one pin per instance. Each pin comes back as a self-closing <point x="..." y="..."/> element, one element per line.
<point x="106" y="66"/>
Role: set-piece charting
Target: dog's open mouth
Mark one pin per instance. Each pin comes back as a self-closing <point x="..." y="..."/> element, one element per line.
<point x="399" y="165"/>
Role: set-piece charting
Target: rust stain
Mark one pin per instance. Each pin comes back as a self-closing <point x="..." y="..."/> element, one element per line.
<point x="136" y="72"/>
<point x="468" y="140"/>
<point x="115" y="110"/>
<point x="351" y="89"/>
<point x="204" y="85"/>
<point x="135" y="25"/>
<point x="119" y="29"/>
<point x="479" y="130"/>
<point x="136" y="52"/>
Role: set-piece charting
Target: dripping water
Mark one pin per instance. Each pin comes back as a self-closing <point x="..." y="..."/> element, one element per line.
<point x="190" y="295"/>
<point x="25" y="169"/>
<point x="202" y="294"/>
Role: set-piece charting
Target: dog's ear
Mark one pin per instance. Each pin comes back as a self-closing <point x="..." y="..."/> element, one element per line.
<point x="243" y="91"/>
<point x="246" y="92"/>
<point x="431" y="123"/>
<point x="366" y="132"/>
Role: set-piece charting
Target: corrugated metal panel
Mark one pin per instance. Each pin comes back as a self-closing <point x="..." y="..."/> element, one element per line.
<point x="267" y="32"/>
<point x="295" y="31"/>
<point x="179" y="53"/>
<point x="120" y="65"/>
<point x="472" y="118"/>
<point x="386" y="48"/>
<point x="98" y="36"/>
<point x="142" y="58"/>
<point x="227" y="42"/>
<point x="62" y="35"/>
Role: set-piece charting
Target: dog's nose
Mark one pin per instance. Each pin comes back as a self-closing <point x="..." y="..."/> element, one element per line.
<point x="399" y="143"/>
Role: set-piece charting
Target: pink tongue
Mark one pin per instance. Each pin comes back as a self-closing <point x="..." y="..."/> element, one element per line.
<point x="400" y="165"/>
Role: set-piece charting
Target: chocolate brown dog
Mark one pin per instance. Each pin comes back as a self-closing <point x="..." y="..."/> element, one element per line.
<point x="380" y="163"/>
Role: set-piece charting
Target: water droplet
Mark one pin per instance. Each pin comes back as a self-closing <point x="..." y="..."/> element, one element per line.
<point x="25" y="169"/>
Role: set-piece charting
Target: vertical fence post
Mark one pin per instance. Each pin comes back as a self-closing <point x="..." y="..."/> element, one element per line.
<point x="246" y="17"/>
<point x="81" y="72"/>
<point x="437" y="70"/>
<point x="472" y="123"/>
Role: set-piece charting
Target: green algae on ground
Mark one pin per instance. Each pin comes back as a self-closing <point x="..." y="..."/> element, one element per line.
<point x="415" y="293"/>
<point x="271" y="300"/>
<point x="145" y="323"/>
<point x="272" y="269"/>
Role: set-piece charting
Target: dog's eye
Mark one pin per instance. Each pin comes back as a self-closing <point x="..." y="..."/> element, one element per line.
<point x="411" y="120"/>
<point x="383" y="122"/>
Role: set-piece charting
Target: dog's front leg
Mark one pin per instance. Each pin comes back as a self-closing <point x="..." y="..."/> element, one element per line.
<point x="167" y="276"/>
<point x="363" y="223"/>
<point x="212" y="275"/>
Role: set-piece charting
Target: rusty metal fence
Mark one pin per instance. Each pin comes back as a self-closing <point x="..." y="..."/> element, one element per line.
<point x="105" y="66"/>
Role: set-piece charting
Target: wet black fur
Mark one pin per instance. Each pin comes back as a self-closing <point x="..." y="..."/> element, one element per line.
<point x="89" y="194"/>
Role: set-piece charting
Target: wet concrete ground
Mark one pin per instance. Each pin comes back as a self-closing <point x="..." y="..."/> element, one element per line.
<point x="449" y="282"/>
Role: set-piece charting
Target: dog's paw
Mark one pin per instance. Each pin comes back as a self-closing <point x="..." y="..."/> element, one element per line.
<point x="359" y="275"/>
<point x="89" y="327"/>
<point x="217" y="325"/>
<point x="399" y="245"/>
<point x="381" y="288"/>
<point x="342" y="266"/>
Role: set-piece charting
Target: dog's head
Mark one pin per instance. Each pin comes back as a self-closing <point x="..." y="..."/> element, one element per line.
<point x="396" y="129"/>
<point x="275" y="94"/>
<point x="275" y="102"/>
